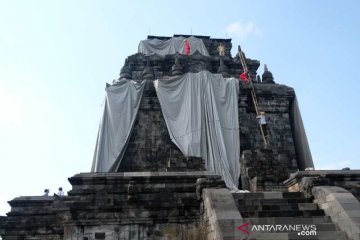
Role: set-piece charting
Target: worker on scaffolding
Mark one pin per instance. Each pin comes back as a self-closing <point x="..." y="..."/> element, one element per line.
<point x="245" y="77"/>
<point x="262" y="122"/>
<point x="187" y="49"/>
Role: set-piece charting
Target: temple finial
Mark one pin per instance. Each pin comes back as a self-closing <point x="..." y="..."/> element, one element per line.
<point x="267" y="76"/>
<point x="265" y="68"/>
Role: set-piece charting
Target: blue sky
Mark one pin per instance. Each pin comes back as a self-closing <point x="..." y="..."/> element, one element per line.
<point x="56" y="56"/>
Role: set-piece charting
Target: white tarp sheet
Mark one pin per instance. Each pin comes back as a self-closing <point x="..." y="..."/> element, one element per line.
<point x="171" y="46"/>
<point x="201" y="113"/>
<point x="301" y="144"/>
<point x="120" y="110"/>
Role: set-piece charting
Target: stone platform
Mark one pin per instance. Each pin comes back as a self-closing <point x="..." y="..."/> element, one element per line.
<point x="131" y="205"/>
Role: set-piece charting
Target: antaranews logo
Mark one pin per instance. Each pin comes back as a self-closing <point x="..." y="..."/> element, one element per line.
<point x="244" y="228"/>
<point x="300" y="229"/>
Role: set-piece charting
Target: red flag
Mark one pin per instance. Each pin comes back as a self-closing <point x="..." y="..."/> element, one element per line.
<point x="244" y="77"/>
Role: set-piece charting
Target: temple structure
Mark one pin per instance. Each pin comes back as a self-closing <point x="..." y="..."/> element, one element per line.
<point x="180" y="155"/>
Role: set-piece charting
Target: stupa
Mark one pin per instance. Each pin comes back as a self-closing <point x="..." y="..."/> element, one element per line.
<point x="180" y="155"/>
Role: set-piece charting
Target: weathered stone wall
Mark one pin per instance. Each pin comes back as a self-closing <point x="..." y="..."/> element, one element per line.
<point x="275" y="100"/>
<point x="141" y="205"/>
<point x="265" y="167"/>
<point x="221" y="215"/>
<point x="31" y="218"/>
<point x="264" y="170"/>
<point x="137" y="206"/>
<point x="174" y="231"/>
<point x="150" y="147"/>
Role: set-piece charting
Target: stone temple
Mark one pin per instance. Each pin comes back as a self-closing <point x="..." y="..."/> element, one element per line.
<point x="180" y="155"/>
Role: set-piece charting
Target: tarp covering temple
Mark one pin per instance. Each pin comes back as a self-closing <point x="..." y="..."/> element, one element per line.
<point x="201" y="113"/>
<point x="171" y="46"/>
<point x="120" y="110"/>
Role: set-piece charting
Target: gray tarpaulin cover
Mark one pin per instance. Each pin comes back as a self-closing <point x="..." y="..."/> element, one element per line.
<point x="120" y="109"/>
<point x="171" y="46"/>
<point x="300" y="140"/>
<point x="201" y="113"/>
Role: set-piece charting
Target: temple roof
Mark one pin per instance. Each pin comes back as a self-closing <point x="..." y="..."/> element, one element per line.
<point x="186" y="36"/>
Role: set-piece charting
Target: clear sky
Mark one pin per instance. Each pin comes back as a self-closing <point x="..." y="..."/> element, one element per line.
<point x="56" y="57"/>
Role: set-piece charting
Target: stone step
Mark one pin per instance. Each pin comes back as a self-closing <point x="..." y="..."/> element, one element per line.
<point x="290" y="213"/>
<point x="319" y="235"/>
<point x="25" y="235"/>
<point x="268" y="195"/>
<point x="280" y="202"/>
<point x="288" y="208"/>
<point x="275" y="188"/>
<point x="141" y="188"/>
<point x="139" y="214"/>
<point x="308" y="206"/>
<point x="130" y="205"/>
<point x="278" y="207"/>
<point x="294" y="220"/>
<point x="150" y="200"/>
<point x="326" y="226"/>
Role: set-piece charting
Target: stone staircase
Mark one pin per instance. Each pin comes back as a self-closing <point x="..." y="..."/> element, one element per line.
<point x="262" y="212"/>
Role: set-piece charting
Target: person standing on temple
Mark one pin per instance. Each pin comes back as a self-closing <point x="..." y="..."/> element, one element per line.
<point x="60" y="192"/>
<point x="46" y="192"/>
<point x="187" y="47"/>
<point x="262" y="122"/>
<point x="221" y="49"/>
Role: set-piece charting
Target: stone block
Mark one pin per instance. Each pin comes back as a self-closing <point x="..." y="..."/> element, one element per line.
<point x="269" y="236"/>
<point x="292" y="194"/>
<point x="326" y="235"/>
<point x="350" y="214"/>
<point x="353" y="206"/>
<point x="307" y="206"/>
<point x="275" y="195"/>
<point x="341" y="198"/>
<point x="356" y="220"/>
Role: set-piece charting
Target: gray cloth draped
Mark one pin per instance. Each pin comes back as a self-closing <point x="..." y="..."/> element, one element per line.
<point x="171" y="46"/>
<point x="301" y="144"/>
<point x="120" y="110"/>
<point x="201" y="113"/>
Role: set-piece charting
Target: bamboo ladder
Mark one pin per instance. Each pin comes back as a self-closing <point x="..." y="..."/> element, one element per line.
<point x="253" y="94"/>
